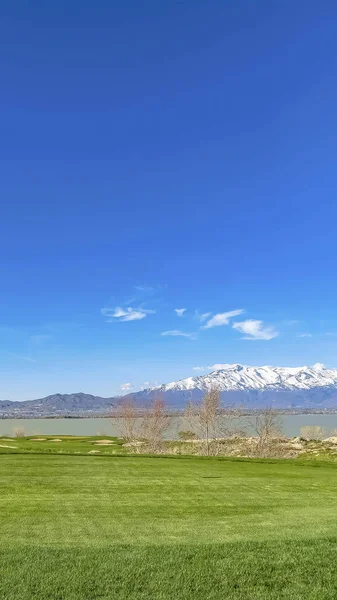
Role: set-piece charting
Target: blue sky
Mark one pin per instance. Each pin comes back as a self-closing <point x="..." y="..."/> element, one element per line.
<point x="159" y="156"/>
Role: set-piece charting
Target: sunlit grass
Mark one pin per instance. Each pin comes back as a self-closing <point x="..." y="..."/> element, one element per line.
<point x="104" y="527"/>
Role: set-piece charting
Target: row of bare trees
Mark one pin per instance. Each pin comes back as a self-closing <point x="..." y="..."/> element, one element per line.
<point x="211" y="426"/>
<point x="146" y="426"/>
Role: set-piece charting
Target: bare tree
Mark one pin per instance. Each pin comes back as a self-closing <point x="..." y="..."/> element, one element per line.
<point x="155" y="422"/>
<point x="212" y="423"/>
<point x="19" y="432"/>
<point x="203" y="417"/>
<point x="267" y="426"/>
<point x="125" y="419"/>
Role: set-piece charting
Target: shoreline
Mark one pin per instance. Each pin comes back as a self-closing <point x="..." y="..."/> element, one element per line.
<point x="173" y="413"/>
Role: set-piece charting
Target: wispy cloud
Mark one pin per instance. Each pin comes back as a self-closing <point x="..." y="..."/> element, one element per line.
<point x="198" y="368"/>
<point x="21" y="357"/>
<point x="180" y="311"/>
<point x="139" y="294"/>
<point x="126" y="387"/>
<point x="177" y="332"/>
<point x="132" y="308"/>
<point x="222" y="318"/>
<point x="204" y="316"/>
<point x="255" y="330"/>
<point x="201" y="317"/>
<point x="125" y="314"/>
<point x="331" y="334"/>
<point x="150" y="385"/>
<point x="304" y="335"/>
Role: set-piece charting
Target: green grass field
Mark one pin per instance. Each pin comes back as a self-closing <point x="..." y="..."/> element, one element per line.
<point x="64" y="444"/>
<point x="113" y="527"/>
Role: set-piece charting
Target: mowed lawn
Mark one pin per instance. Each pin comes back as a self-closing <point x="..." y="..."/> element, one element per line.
<point x="104" y="527"/>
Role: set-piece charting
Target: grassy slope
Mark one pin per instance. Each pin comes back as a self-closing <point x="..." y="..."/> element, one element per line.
<point x="95" y="527"/>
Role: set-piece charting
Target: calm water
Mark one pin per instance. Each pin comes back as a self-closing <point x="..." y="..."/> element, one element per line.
<point x="291" y="425"/>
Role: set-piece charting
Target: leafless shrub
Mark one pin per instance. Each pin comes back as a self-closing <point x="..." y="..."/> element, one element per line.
<point x="19" y="432"/>
<point x="267" y="427"/>
<point x="125" y="420"/>
<point x="155" y="422"/>
<point x="185" y="436"/>
<point x="312" y="432"/>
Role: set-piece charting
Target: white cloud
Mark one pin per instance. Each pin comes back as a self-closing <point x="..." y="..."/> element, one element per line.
<point x="304" y="335"/>
<point x="126" y="314"/>
<point x="222" y="318"/>
<point x="331" y="334"/>
<point x="255" y="330"/>
<point x="198" y="368"/>
<point x="116" y="312"/>
<point x="318" y="366"/>
<point x="219" y="366"/>
<point x="133" y="315"/>
<point x="177" y="332"/>
<point x="180" y="311"/>
<point x="125" y="387"/>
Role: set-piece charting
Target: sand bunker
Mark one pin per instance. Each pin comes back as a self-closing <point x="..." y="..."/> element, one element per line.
<point x="6" y="446"/>
<point x="104" y="442"/>
<point x="55" y="440"/>
<point x="93" y="452"/>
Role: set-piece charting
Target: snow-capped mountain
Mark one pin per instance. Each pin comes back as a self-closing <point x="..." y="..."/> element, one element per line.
<point x="291" y="387"/>
<point x="239" y="377"/>
<point x="251" y="387"/>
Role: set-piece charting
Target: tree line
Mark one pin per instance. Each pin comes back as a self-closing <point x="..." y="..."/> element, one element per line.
<point x="210" y="426"/>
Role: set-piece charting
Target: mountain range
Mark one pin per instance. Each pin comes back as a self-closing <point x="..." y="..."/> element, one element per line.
<point x="251" y="387"/>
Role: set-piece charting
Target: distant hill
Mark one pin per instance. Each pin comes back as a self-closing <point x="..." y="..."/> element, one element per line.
<point x="58" y="405"/>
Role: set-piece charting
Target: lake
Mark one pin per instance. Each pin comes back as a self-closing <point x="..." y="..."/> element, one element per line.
<point x="100" y="426"/>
